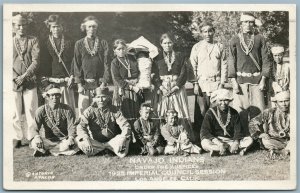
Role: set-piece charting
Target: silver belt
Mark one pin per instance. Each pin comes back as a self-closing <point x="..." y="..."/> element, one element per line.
<point x="58" y="80"/>
<point x="244" y="74"/>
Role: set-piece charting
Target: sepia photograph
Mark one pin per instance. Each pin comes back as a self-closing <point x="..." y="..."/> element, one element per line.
<point x="149" y="96"/>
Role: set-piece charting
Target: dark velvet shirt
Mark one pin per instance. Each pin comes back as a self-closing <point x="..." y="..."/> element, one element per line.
<point x="211" y="129"/>
<point x="91" y="67"/>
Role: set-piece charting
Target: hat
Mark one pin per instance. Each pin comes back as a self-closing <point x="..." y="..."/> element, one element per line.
<point x="142" y="41"/>
<point x="221" y="94"/>
<point x="19" y="19"/>
<point x="171" y="112"/>
<point x="283" y="95"/>
<point x="141" y="48"/>
<point x="277" y="49"/>
<point x="101" y="91"/>
<point x="250" y="17"/>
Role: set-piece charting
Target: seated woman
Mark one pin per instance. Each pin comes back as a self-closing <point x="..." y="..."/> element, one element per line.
<point x="176" y="136"/>
<point x="147" y="133"/>
<point x="59" y="130"/>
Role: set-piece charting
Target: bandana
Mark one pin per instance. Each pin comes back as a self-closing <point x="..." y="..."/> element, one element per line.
<point x="277" y="49"/>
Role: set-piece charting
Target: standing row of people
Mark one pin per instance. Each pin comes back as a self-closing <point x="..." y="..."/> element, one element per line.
<point x="89" y="67"/>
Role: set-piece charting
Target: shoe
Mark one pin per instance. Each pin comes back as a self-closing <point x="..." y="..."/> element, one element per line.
<point x="242" y="152"/>
<point x="17" y="143"/>
<point x="213" y="153"/>
<point x="38" y="153"/>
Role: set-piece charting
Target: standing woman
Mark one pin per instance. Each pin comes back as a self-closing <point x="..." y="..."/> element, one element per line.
<point x="91" y="67"/>
<point x="57" y="58"/>
<point x="125" y="73"/>
<point x="171" y="78"/>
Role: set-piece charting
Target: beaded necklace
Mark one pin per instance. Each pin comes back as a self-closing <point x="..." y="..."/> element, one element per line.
<point x="95" y="48"/>
<point x="20" y="49"/>
<point x="54" y="118"/>
<point x="280" y="125"/>
<point x="246" y="48"/>
<point x="126" y="66"/>
<point x="146" y="126"/>
<point x="103" y="118"/>
<point x="62" y="46"/>
<point x="169" y="60"/>
<point x="219" y="119"/>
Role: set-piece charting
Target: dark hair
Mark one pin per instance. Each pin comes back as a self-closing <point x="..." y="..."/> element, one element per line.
<point x="145" y="105"/>
<point x="53" y="18"/>
<point x="206" y="23"/>
<point x="165" y="36"/>
<point x="89" y="18"/>
<point x="117" y="42"/>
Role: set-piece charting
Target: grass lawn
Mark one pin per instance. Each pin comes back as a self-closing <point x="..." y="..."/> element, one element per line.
<point x="256" y="165"/>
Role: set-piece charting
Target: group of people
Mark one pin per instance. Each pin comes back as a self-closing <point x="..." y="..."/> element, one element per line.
<point x="148" y="113"/>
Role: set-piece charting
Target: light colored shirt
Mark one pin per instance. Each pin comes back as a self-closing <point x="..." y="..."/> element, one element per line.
<point x="209" y="65"/>
<point x="281" y="77"/>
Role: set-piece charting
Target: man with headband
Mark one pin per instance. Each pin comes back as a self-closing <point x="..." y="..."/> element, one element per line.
<point x="248" y="69"/>
<point x="272" y="127"/>
<point x="57" y="120"/>
<point x="56" y="57"/>
<point x="103" y="126"/>
<point x="91" y="65"/>
<point x="26" y="56"/>
<point x="221" y="129"/>
<point x="280" y="70"/>
<point x="210" y="69"/>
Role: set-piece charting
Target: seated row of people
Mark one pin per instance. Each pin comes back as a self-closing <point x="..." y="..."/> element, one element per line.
<point x="103" y="127"/>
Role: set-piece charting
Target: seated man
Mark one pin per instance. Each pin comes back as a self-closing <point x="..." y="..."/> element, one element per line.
<point x="272" y="126"/>
<point x="177" y="138"/>
<point x="59" y="130"/>
<point x="147" y="133"/>
<point x="221" y="127"/>
<point x="103" y="126"/>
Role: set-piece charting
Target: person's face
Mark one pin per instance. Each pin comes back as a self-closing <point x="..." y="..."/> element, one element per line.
<point x="167" y="45"/>
<point x="145" y="113"/>
<point x="101" y="100"/>
<point x="56" y="29"/>
<point x="278" y="58"/>
<point x="54" y="99"/>
<point x="91" y="28"/>
<point x="172" y="120"/>
<point x="20" y="29"/>
<point x="283" y="105"/>
<point x="247" y="26"/>
<point x="120" y="51"/>
<point x="223" y="104"/>
<point x="208" y="33"/>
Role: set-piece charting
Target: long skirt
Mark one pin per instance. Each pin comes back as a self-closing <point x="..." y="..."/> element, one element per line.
<point x="129" y="103"/>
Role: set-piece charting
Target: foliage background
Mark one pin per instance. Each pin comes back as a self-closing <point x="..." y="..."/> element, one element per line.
<point x="184" y="25"/>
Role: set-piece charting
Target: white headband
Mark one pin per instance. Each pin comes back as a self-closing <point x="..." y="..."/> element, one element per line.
<point x="53" y="91"/>
<point x="277" y="50"/>
<point x="247" y="18"/>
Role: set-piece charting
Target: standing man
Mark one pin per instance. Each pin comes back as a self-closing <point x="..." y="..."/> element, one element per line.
<point x="26" y="56"/>
<point x="248" y="68"/>
<point x="280" y="70"/>
<point x="210" y="69"/>
<point x="103" y="126"/>
<point x="91" y="66"/>
<point x="57" y="59"/>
